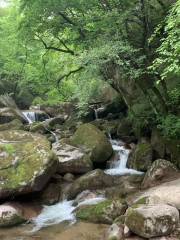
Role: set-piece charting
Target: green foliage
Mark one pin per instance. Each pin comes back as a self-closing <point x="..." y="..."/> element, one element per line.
<point x="55" y="50"/>
<point x="9" y="148"/>
<point x="143" y="118"/>
<point x="168" y="62"/>
<point x="170" y="126"/>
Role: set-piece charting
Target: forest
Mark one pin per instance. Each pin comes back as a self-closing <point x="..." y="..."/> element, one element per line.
<point x="95" y="72"/>
<point x="54" y="51"/>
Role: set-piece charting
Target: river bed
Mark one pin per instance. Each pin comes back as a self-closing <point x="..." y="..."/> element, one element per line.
<point x="62" y="231"/>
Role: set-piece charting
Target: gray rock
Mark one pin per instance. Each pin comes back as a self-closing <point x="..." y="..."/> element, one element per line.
<point x="115" y="232"/>
<point x="152" y="220"/>
<point x="26" y="162"/>
<point x="93" y="180"/>
<point x="141" y="157"/>
<point x="103" y="212"/>
<point x="161" y="170"/>
<point x="91" y="138"/>
<point x="72" y="159"/>
<point x="10" y="216"/>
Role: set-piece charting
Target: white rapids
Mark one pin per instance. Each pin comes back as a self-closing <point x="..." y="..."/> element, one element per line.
<point x="30" y="116"/>
<point x="120" y="167"/>
<point x="60" y="212"/>
<point x="92" y="201"/>
<point x="50" y="215"/>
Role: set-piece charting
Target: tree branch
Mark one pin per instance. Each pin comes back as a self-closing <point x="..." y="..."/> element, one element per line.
<point x="68" y="20"/>
<point x="67" y="50"/>
<point x="68" y="74"/>
<point x="64" y="44"/>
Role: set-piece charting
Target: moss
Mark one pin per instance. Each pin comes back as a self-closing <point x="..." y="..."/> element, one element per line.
<point x="13" y="125"/>
<point x="38" y="127"/>
<point x="25" y="157"/>
<point x="104" y="212"/>
<point x="96" y="211"/>
<point x="142" y="200"/>
<point x="134" y="218"/>
<point x="93" y="139"/>
<point x="143" y="148"/>
<point x="120" y="220"/>
<point x="9" y="148"/>
<point x="141" y="158"/>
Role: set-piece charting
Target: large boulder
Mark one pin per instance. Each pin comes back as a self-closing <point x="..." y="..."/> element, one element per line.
<point x="168" y="193"/>
<point x="10" y="216"/>
<point x="165" y="148"/>
<point x="38" y="127"/>
<point x="6" y="115"/>
<point x="72" y="159"/>
<point x="56" y="122"/>
<point x="116" y="106"/>
<point x="92" y="138"/>
<point x="124" y="186"/>
<point x="108" y="127"/>
<point x="141" y="157"/>
<point x="66" y="108"/>
<point x="161" y="170"/>
<point x="93" y="180"/>
<point x="26" y="162"/>
<point x="152" y="220"/>
<point x="124" y="128"/>
<point x="103" y="212"/>
<point x="158" y="144"/>
<point x="13" y="125"/>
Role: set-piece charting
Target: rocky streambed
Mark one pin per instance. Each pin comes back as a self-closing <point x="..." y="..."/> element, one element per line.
<point x="65" y="179"/>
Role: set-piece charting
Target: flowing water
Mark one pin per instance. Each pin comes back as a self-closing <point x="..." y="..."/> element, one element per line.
<point x="119" y="167"/>
<point x="61" y="215"/>
<point x="60" y="212"/>
<point x="30" y="116"/>
<point x="96" y="114"/>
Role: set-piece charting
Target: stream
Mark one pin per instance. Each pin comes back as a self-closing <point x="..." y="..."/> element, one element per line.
<point x="59" y="217"/>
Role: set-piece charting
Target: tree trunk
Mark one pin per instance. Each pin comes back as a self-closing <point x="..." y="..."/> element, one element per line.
<point x="160" y="98"/>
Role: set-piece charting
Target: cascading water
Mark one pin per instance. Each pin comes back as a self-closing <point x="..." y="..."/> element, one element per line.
<point x="30" y="116"/>
<point x="50" y="215"/>
<point x="96" y="114"/>
<point x="119" y="167"/>
<point x="61" y="212"/>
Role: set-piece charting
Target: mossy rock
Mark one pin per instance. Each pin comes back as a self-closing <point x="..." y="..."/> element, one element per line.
<point x="92" y="180"/>
<point x="160" y="171"/>
<point x="152" y="220"/>
<point x="165" y="148"/>
<point x="109" y="127"/>
<point x="38" y="127"/>
<point x="90" y="137"/>
<point x="125" y="128"/>
<point x="104" y="212"/>
<point x="13" y="125"/>
<point x="141" y="157"/>
<point x="26" y="162"/>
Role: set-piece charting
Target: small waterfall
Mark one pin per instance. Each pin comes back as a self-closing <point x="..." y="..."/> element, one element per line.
<point x="50" y="215"/>
<point x="60" y="212"/>
<point x="96" y="113"/>
<point x="30" y="116"/>
<point x="120" y="167"/>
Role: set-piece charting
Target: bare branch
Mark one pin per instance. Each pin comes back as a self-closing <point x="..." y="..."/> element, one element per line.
<point x="68" y="74"/>
<point x="67" y="50"/>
